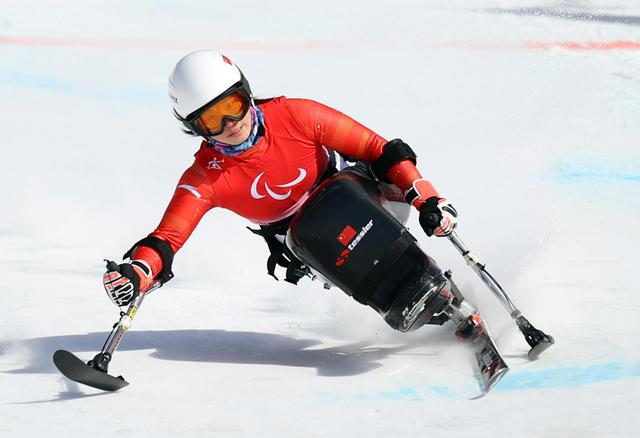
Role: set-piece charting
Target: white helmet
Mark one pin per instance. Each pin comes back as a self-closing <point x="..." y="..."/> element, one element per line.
<point x="200" y="78"/>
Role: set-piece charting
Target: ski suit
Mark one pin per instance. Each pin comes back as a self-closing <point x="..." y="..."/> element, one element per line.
<point x="270" y="181"/>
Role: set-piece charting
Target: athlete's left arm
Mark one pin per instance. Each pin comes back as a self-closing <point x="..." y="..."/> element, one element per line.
<point x="393" y="160"/>
<point x="331" y="128"/>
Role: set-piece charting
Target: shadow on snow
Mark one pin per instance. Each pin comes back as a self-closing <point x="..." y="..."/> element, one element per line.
<point x="215" y="346"/>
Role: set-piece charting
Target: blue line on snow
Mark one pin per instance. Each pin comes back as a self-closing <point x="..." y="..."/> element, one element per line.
<point x="34" y="81"/>
<point x="552" y="378"/>
<point x="410" y="394"/>
<point x="574" y="171"/>
<point x="131" y="93"/>
<point x="568" y="377"/>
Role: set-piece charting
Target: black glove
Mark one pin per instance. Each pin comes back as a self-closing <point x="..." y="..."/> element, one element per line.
<point x="437" y="216"/>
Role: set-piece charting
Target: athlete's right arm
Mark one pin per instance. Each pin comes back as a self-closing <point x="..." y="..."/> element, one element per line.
<point x="152" y="255"/>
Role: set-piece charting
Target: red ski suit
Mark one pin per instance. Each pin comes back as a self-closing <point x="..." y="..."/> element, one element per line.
<point x="270" y="181"/>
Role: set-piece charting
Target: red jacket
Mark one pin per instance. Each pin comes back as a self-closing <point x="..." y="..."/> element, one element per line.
<point x="271" y="180"/>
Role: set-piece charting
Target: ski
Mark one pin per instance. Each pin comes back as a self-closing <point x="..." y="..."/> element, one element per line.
<point x="491" y="366"/>
<point x="95" y="372"/>
<point x="75" y="369"/>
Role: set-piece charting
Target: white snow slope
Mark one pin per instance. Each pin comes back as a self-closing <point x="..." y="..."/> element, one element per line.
<point x="524" y="114"/>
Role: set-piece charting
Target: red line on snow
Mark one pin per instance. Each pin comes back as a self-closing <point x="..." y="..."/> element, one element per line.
<point x="540" y="45"/>
<point x="587" y="45"/>
<point x="135" y="43"/>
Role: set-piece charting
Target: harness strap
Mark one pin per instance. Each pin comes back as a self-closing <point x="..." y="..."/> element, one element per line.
<point x="279" y="253"/>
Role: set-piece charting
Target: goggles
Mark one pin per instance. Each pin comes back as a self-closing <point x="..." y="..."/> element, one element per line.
<point x="211" y="118"/>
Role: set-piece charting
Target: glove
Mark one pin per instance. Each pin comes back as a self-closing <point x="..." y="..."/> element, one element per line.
<point x="122" y="282"/>
<point x="437" y="216"/>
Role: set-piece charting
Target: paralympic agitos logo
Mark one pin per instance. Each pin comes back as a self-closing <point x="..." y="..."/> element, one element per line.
<point x="255" y="194"/>
<point x="346" y="237"/>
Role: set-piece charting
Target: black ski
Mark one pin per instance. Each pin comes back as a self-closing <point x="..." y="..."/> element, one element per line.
<point x="78" y="371"/>
<point x="538" y="340"/>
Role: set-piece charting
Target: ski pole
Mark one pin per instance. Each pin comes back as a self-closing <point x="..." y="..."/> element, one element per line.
<point x="102" y="359"/>
<point x="537" y="340"/>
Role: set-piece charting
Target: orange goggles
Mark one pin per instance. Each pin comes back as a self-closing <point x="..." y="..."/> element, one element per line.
<point x="210" y="120"/>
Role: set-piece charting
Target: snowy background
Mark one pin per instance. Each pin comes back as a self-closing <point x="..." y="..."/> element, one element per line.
<point x="524" y="114"/>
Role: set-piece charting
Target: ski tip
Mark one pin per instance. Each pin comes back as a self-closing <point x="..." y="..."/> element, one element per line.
<point x="494" y="379"/>
<point x="535" y="351"/>
<point x="62" y="355"/>
<point x="487" y="385"/>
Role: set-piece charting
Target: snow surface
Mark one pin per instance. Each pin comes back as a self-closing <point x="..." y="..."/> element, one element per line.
<point x="536" y="145"/>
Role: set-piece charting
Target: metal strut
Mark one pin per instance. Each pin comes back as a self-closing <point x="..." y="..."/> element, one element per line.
<point x="537" y="340"/>
<point x="102" y="359"/>
<point x="474" y="262"/>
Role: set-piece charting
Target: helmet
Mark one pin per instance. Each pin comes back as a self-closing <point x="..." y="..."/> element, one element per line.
<point x="198" y="80"/>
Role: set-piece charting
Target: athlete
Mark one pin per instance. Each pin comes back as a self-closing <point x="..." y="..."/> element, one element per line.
<point x="260" y="159"/>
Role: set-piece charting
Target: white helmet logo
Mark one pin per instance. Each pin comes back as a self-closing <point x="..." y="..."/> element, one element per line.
<point x="257" y="195"/>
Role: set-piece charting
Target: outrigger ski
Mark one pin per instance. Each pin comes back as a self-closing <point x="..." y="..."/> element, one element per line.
<point x="94" y="373"/>
<point x="75" y="369"/>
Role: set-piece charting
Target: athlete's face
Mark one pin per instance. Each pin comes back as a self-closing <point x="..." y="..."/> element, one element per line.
<point x="235" y="132"/>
